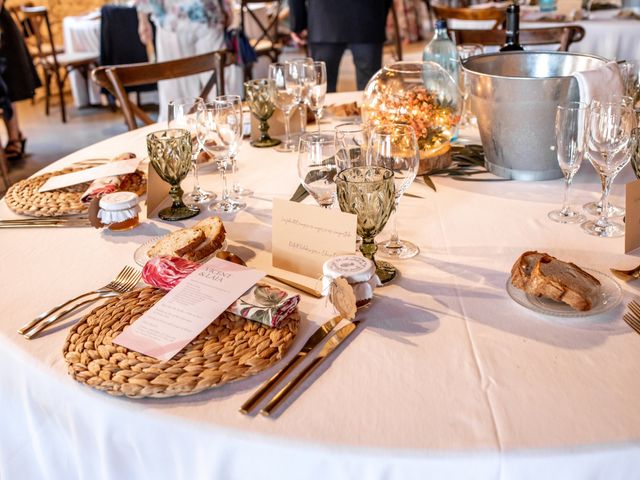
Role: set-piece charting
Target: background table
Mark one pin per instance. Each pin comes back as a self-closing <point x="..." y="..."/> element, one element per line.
<point x="449" y="378"/>
<point x="82" y="34"/>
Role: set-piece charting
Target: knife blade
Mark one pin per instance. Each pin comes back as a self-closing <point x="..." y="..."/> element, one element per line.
<point x="340" y="336"/>
<point x="309" y="345"/>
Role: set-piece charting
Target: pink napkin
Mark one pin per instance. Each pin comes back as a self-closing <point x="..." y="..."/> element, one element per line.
<point x="599" y="83"/>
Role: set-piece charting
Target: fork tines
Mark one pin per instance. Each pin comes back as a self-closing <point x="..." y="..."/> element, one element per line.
<point x="633" y="319"/>
<point x="125" y="280"/>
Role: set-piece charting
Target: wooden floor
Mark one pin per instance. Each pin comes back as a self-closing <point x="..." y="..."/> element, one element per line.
<point x="48" y="139"/>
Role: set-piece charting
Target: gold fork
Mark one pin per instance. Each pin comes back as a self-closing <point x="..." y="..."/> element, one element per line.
<point x="124" y="282"/>
<point x="633" y="319"/>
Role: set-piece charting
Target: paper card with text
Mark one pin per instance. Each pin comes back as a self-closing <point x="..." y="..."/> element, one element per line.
<point x="632" y="216"/>
<point x="184" y="312"/>
<point x="305" y="236"/>
<point x="111" y="169"/>
<point x="157" y="191"/>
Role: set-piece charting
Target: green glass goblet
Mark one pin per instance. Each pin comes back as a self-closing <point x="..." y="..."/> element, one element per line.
<point x="260" y="97"/>
<point x="369" y="192"/>
<point x="170" y="155"/>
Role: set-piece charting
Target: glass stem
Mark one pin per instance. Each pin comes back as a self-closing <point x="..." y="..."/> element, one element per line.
<point x="287" y="126"/>
<point x="223" y="174"/>
<point x="196" y="180"/>
<point x="394" y="241"/>
<point x="566" y="206"/>
<point x="235" y="186"/>
<point x="603" y="221"/>
<point x="318" y="115"/>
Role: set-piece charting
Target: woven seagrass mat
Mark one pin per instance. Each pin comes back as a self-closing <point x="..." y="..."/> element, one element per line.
<point x="24" y="198"/>
<point x="230" y="348"/>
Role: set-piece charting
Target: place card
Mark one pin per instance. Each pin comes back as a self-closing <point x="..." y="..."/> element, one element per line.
<point x="632" y="216"/>
<point x="111" y="169"/>
<point x="184" y="312"/>
<point x="297" y="124"/>
<point x="305" y="236"/>
<point x="157" y="191"/>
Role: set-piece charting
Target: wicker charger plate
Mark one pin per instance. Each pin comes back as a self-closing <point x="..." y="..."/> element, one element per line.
<point x="24" y="198"/>
<point x="230" y="348"/>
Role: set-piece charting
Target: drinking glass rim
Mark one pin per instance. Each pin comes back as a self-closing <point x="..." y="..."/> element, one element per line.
<point x="258" y="82"/>
<point x="186" y="100"/>
<point x="165" y="134"/>
<point x="322" y="137"/>
<point x="357" y="127"/>
<point x="575" y="105"/>
<point x="387" y="174"/>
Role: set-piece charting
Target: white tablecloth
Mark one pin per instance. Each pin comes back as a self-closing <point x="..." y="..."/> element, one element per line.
<point x="449" y="378"/>
<point x="82" y="34"/>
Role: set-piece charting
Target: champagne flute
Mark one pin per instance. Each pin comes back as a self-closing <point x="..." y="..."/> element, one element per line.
<point x="182" y="114"/>
<point x="369" y="193"/>
<point x="237" y="189"/>
<point x="351" y="145"/>
<point x="317" y="166"/>
<point x="610" y="145"/>
<point x="394" y="146"/>
<point x="301" y="93"/>
<point x="571" y="135"/>
<point x="315" y="75"/>
<point x="285" y="88"/>
<point x="218" y="125"/>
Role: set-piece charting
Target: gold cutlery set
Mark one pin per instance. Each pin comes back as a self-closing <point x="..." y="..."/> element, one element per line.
<point x="49" y="222"/>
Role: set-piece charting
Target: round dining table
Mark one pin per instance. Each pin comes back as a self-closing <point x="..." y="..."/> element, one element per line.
<point x="448" y="377"/>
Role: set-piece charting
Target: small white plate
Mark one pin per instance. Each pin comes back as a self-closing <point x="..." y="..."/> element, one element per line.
<point x="609" y="297"/>
<point x="141" y="255"/>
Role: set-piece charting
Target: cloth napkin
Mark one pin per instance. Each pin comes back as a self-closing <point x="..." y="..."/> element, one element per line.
<point x="261" y="303"/>
<point x="599" y="83"/>
<point x="105" y="185"/>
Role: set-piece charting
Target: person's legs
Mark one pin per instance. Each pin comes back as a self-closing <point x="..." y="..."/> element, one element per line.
<point x="15" y="146"/>
<point x="367" y="58"/>
<point x="331" y="54"/>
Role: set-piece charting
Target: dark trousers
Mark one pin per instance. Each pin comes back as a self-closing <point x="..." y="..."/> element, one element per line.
<point x="367" y="58"/>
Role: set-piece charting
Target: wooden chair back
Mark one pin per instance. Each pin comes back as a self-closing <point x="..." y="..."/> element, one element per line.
<point x="38" y="29"/>
<point x="563" y="36"/>
<point x="116" y="78"/>
<point x="397" y="40"/>
<point x="497" y="15"/>
<point x="268" y="40"/>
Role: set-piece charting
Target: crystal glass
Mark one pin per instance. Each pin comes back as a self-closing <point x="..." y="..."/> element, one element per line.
<point x="571" y="136"/>
<point x="394" y="146"/>
<point x="351" y="145"/>
<point x="317" y="166"/>
<point x="301" y="93"/>
<point x="218" y="126"/>
<point x="285" y="91"/>
<point x="369" y="193"/>
<point x="259" y="96"/>
<point x="609" y="148"/>
<point x="170" y="155"/>
<point x="236" y="188"/>
<point x="182" y="114"/>
<point x="635" y="155"/>
<point x="466" y="50"/>
<point x="315" y="80"/>
<point x="630" y="71"/>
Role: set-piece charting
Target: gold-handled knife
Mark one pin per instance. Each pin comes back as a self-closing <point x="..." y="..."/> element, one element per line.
<point x="328" y="347"/>
<point x="310" y="344"/>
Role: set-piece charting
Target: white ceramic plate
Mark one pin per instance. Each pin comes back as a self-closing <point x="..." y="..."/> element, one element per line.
<point x="141" y="255"/>
<point x="610" y="296"/>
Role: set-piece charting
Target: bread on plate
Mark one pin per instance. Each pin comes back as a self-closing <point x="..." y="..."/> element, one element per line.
<point x="193" y="243"/>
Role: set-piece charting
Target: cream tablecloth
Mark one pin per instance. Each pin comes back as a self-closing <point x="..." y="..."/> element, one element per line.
<point x="449" y="378"/>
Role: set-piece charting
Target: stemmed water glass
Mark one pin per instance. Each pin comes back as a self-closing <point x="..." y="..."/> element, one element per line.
<point x="610" y="145"/>
<point x="259" y="95"/>
<point x="237" y="189"/>
<point x="369" y="193"/>
<point x="301" y="93"/>
<point x="465" y="51"/>
<point x="394" y="146"/>
<point x="351" y="145"/>
<point x="285" y="91"/>
<point x="571" y="136"/>
<point x="317" y="167"/>
<point x="182" y="114"/>
<point x="315" y="75"/>
<point x="218" y="126"/>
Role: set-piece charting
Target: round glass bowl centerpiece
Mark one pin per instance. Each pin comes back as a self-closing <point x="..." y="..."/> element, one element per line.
<point x="420" y="94"/>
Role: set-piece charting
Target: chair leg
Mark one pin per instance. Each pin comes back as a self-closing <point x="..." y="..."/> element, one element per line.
<point x="47" y="92"/>
<point x="61" y="95"/>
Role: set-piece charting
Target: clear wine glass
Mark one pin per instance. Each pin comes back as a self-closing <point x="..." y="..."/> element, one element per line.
<point x="316" y="88"/>
<point x="218" y="125"/>
<point x="595" y="208"/>
<point x="609" y="148"/>
<point x="351" y="145"/>
<point x="394" y="146"/>
<point x="182" y="114"/>
<point x="317" y="166"/>
<point x="236" y="188"/>
<point x="285" y="91"/>
<point x="466" y="50"/>
<point x="301" y="93"/>
<point x="571" y="136"/>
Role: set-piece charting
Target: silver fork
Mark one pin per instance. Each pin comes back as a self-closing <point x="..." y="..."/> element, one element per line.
<point x="124" y="282"/>
<point x="633" y="319"/>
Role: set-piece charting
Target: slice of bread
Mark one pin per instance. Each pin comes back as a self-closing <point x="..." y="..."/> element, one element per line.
<point x="178" y="243"/>
<point x="542" y="275"/>
<point x="215" y="234"/>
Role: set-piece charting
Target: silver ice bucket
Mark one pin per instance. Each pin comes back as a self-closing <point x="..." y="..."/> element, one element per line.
<point x="514" y="96"/>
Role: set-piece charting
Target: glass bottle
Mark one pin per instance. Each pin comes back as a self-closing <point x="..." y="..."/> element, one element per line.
<point x="442" y="50"/>
<point x="512" y="43"/>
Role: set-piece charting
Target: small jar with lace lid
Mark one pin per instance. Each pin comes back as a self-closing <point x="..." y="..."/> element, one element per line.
<point x="359" y="272"/>
<point x="119" y="210"/>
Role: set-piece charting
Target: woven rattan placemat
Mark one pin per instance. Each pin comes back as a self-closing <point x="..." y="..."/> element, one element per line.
<point x="24" y="198"/>
<point x="229" y="349"/>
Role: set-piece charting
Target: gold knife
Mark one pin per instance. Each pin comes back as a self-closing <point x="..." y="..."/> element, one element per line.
<point x="328" y="347"/>
<point x="310" y="344"/>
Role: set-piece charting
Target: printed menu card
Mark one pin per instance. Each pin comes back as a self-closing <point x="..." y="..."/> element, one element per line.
<point x="184" y="312"/>
<point x="111" y="169"/>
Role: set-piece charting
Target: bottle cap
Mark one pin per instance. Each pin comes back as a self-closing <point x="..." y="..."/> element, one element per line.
<point x="441" y="23"/>
<point x="118" y="201"/>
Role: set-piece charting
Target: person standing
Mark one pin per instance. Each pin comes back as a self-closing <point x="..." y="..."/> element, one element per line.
<point x="329" y="27"/>
<point x="184" y="28"/>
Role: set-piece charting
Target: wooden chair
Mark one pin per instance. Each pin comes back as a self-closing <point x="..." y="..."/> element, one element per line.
<point x="395" y="47"/>
<point x="117" y="77"/>
<point x="51" y="59"/>
<point x="269" y="41"/>
<point x="497" y="15"/>
<point x="564" y="36"/>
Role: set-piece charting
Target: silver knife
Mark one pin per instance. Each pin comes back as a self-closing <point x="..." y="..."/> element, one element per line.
<point x="329" y="347"/>
<point x="310" y="344"/>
